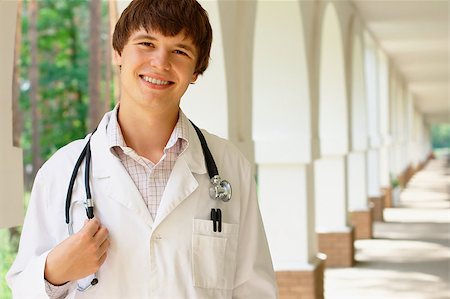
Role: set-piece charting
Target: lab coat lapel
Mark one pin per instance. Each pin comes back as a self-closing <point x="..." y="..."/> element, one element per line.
<point x="182" y="182"/>
<point x="123" y="190"/>
<point x="109" y="172"/>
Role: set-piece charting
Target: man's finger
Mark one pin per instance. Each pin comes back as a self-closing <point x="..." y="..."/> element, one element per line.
<point x="104" y="247"/>
<point x="101" y="235"/>
<point x="91" y="227"/>
<point x="103" y="258"/>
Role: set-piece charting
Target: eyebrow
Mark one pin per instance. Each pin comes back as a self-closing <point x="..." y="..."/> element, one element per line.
<point x="151" y="38"/>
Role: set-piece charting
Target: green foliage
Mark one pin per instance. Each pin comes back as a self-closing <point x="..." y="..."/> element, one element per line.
<point x="440" y="136"/>
<point x="63" y="74"/>
<point x="8" y="251"/>
<point x="394" y="181"/>
<point x="63" y="59"/>
<point x="7" y="255"/>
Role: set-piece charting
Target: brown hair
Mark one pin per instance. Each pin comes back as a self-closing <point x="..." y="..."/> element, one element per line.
<point x="168" y="17"/>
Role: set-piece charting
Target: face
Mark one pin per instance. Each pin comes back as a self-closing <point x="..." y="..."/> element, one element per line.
<point x="156" y="70"/>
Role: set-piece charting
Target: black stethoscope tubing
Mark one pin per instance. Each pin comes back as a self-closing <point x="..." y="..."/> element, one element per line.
<point x="210" y="163"/>
<point x="86" y="153"/>
<point x="220" y="189"/>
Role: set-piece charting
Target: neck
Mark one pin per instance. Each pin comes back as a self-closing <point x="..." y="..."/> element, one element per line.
<point x="145" y="131"/>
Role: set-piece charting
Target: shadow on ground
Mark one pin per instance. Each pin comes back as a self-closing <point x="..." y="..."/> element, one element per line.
<point x="409" y="256"/>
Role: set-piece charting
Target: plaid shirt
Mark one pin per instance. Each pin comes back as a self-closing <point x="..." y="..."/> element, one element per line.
<point x="150" y="179"/>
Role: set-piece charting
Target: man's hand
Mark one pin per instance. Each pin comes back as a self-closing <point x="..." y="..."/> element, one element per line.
<point x="78" y="256"/>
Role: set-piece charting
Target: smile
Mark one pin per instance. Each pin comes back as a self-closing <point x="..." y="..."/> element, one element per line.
<point x="155" y="81"/>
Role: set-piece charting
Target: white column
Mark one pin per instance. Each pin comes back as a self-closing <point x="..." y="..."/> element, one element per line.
<point x="402" y="133"/>
<point x="373" y="163"/>
<point x="331" y="168"/>
<point x="11" y="177"/>
<point x="356" y="159"/>
<point x="286" y="211"/>
<point x="330" y="191"/>
<point x="416" y="136"/>
<point x="281" y="130"/>
<point x="384" y="120"/>
<point x="409" y="127"/>
<point x="238" y="23"/>
<point x="357" y="181"/>
<point x="373" y="115"/>
<point x="399" y="127"/>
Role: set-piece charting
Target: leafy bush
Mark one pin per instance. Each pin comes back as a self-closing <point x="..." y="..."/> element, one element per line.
<point x="7" y="256"/>
<point x="440" y="136"/>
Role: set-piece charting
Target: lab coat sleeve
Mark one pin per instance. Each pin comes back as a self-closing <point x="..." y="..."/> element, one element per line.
<point x="255" y="277"/>
<point x="26" y="276"/>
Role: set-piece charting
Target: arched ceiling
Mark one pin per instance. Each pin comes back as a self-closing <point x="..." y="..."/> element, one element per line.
<point x="415" y="36"/>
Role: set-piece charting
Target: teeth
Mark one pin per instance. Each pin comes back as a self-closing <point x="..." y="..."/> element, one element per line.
<point x="155" y="81"/>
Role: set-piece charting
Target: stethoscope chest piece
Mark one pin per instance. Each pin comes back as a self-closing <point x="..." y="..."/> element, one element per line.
<point x="220" y="189"/>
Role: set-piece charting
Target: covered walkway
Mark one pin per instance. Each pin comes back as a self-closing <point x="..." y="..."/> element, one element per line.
<point x="409" y="256"/>
<point x="333" y="103"/>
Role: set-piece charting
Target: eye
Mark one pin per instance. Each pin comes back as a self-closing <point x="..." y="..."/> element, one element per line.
<point x="179" y="52"/>
<point x="146" y="44"/>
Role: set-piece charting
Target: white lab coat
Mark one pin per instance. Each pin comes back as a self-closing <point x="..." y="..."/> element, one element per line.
<point x="176" y="255"/>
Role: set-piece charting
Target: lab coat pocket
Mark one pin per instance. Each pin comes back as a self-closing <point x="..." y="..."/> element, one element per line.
<point x="214" y="255"/>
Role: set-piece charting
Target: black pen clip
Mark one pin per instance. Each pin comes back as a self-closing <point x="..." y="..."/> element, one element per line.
<point x="216" y="217"/>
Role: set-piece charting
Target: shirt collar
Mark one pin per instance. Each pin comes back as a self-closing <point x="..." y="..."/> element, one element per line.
<point x="114" y="132"/>
<point x="178" y="137"/>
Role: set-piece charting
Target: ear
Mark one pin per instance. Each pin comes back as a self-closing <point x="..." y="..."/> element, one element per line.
<point x="117" y="58"/>
<point x="194" y="78"/>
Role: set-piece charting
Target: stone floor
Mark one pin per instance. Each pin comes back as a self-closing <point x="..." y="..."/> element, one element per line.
<point x="409" y="256"/>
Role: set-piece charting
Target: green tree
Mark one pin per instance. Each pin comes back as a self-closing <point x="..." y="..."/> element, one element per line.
<point x="63" y="63"/>
<point x="440" y="136"/>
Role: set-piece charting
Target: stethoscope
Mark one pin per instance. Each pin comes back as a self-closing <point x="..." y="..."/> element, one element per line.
<point x="219" y="189"/>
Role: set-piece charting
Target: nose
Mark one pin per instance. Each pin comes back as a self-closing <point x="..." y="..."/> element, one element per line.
<point x="160" y="60"/>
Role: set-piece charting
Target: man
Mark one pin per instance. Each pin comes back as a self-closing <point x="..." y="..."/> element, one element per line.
<point x="152" y="235"/>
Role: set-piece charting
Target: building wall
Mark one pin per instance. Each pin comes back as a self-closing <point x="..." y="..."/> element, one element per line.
<point x="11" y="178"/>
